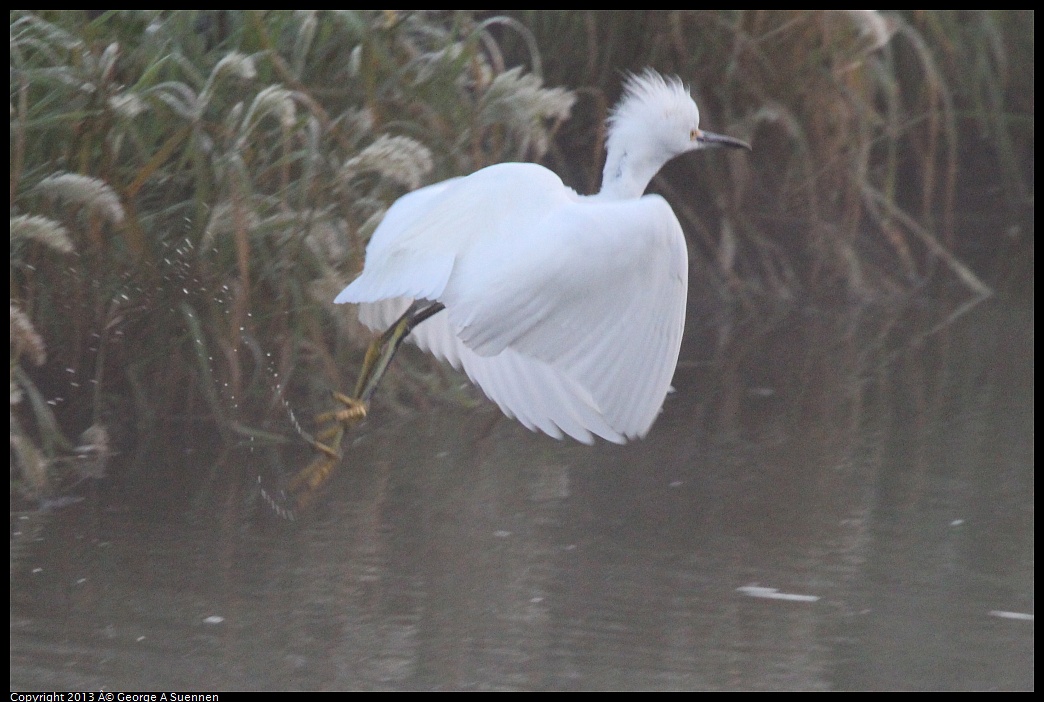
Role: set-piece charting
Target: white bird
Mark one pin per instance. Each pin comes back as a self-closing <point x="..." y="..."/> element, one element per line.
<point x="566" y="310"/>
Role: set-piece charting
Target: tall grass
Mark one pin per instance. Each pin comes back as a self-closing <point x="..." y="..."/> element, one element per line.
<point x="858" y="120"/>
<point x="190" y="189"/>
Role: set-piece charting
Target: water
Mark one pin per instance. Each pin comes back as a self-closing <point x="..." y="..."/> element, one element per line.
<point x="829" y="501"/>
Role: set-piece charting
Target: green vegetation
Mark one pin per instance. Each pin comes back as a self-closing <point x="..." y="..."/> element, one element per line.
<point x="190" y="189"/>
<point x="858" y="121"/>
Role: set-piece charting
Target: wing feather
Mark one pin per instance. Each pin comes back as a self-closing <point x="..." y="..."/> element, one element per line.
<point x="568" y="312"/>
<point x="596" y="291"/>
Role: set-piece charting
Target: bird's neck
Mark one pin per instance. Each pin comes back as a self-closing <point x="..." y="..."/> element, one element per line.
<point x="627" y="174"/>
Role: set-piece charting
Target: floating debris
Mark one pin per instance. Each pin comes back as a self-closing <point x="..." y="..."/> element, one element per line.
<point x="771" y="593"/>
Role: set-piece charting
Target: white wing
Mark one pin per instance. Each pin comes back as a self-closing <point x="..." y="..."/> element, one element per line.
<point x="414" y="249"/>
<point x="566" y="311"/>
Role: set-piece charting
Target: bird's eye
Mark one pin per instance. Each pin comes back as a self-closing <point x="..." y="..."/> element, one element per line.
<point x="694" y="134"/>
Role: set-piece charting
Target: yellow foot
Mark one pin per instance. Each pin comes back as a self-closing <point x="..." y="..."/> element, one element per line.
<point x="303" y="487"/>
<point x="310" y="478"/>
<point x="354" y="411"/>
<point x="334" y="423"/>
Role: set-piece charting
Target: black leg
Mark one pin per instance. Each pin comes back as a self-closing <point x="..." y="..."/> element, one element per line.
<point x="303" y="487"/>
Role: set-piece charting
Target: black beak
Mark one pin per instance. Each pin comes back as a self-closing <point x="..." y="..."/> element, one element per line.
<point x="710" y="140"/>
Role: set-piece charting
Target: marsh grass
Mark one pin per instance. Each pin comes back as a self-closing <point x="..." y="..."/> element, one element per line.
<point x="188" y="188"/>
<point x="858" y="120"/>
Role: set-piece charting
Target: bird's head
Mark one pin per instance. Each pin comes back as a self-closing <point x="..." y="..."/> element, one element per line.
<point x="660" y="112"/>
<point x="655" y="120"/>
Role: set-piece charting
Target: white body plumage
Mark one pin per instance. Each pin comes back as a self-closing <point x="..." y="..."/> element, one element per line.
<point x="567" y="311"/>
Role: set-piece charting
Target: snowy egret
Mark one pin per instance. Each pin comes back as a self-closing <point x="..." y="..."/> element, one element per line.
<point x="566" y="310"/>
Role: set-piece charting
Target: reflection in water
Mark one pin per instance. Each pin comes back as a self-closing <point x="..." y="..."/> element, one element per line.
<point x="877" y="480"/>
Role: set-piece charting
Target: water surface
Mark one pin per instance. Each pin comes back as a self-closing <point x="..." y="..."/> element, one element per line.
<point x="829" y="501"/>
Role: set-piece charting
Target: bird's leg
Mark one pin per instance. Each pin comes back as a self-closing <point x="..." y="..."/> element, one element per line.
<point x="378" y="357"/>
<point x="335" y="423"/>
<point x="380" y="354"/>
